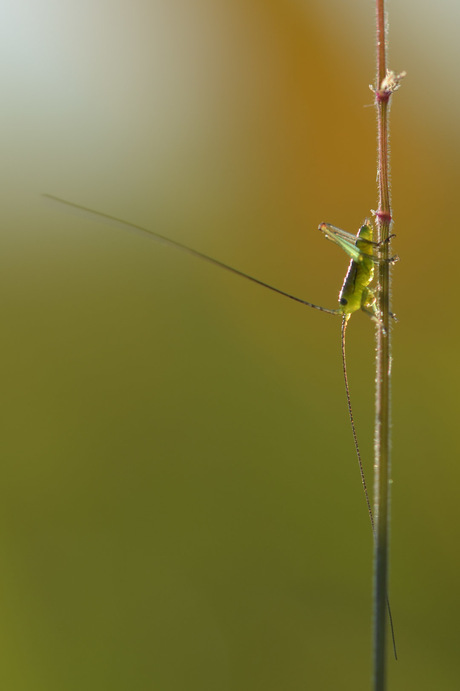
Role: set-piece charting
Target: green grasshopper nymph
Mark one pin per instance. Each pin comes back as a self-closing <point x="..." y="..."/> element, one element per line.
<point x="354" y="295"/>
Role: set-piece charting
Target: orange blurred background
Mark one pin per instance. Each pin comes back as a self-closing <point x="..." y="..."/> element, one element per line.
<point x="181" y="500"/>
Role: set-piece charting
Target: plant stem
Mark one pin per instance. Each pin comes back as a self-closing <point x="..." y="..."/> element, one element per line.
<point x="382" y="464"/>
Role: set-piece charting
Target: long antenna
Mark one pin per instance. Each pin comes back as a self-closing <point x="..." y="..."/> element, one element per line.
<point x="345" y="319"/>
<point x="153" y="235"/>
<point x="112" y="220"/>
<point x="352" y="421"/>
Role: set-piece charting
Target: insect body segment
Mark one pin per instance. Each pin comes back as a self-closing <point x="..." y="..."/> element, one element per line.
<point x="355" y="293"/>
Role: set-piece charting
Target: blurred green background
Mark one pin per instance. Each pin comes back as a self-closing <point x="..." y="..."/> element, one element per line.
<point x="181" y="506"/>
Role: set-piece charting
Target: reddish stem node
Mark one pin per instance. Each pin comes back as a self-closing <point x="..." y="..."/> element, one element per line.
<point x="384" y="217"/>
<point x="382" y="96"/>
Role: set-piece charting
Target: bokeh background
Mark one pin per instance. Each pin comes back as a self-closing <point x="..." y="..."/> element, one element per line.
<point x="180" y="500"/>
